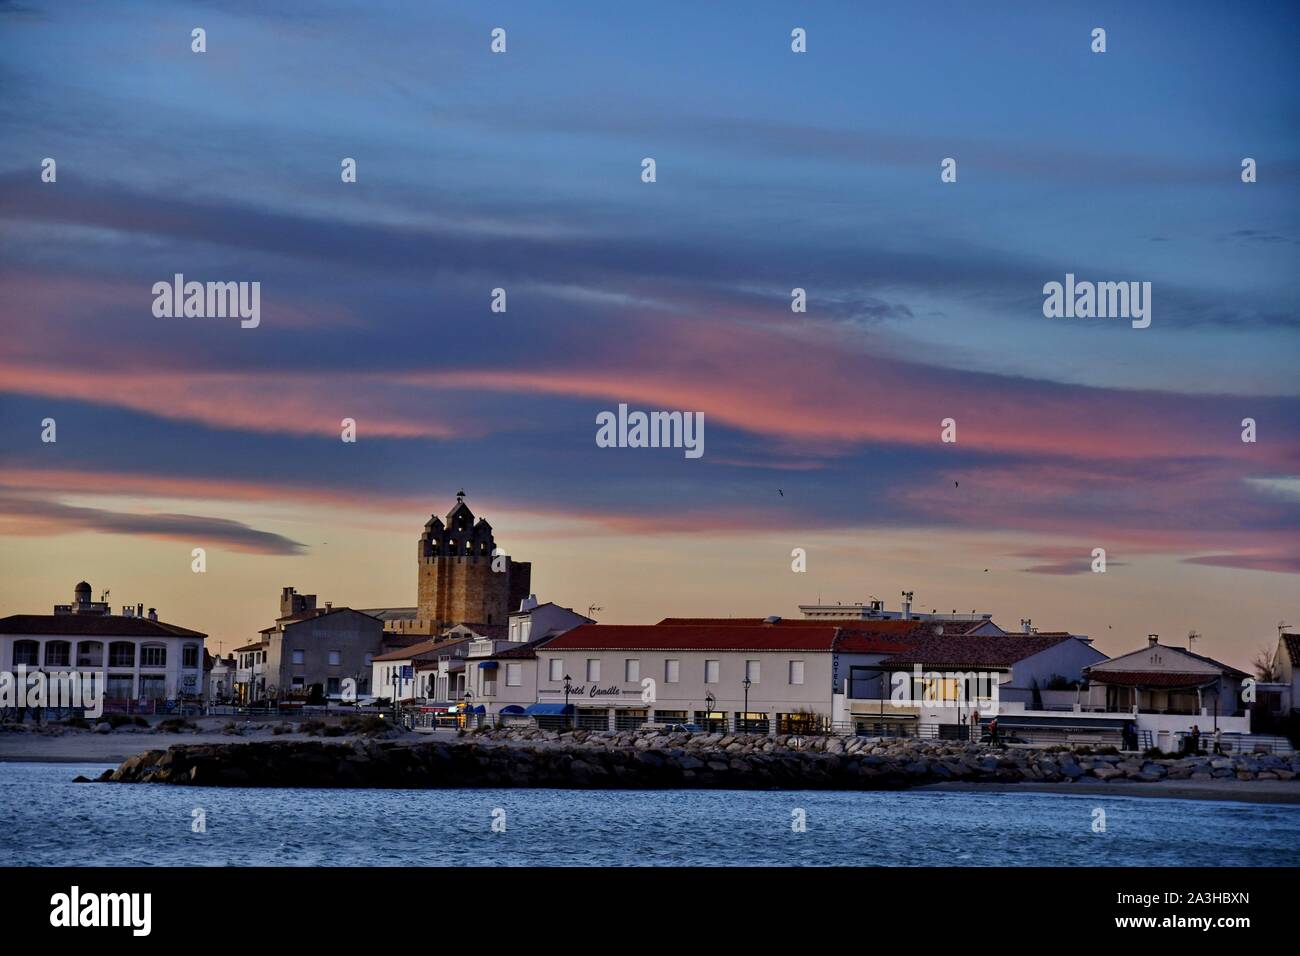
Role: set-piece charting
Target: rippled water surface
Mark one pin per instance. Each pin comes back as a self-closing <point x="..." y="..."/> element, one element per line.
<point x="45" y="819"/>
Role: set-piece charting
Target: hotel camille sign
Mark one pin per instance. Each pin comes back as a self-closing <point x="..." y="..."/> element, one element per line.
<point x="581" y="690"/>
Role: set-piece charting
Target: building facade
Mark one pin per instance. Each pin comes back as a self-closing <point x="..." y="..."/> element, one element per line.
<point x="770" y="677"/>
<point x="310" y="647"/>
<point x="143" y="664"/>
<point x="1165" y="690"/>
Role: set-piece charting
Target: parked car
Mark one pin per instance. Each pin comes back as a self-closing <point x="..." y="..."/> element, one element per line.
<point x="686" y="728"/>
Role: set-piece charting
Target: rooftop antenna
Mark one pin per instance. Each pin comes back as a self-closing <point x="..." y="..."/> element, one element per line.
<point x="593" y="609"/>
<point x="1192" y="635"/>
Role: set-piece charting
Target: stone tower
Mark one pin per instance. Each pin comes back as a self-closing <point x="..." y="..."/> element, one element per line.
<point x="461" y="581"/>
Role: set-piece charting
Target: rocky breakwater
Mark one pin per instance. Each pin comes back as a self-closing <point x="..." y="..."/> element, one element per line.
<point x="659" y="760"/>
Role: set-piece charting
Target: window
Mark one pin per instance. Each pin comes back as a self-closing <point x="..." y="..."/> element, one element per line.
<point x="300" y="656"/>
<point x="796" y="672"/>
<point x="152" y="655"/>
<point x="90" y="654"/>
<point x="25" y="652"/>
<point x="121" y="654"/>
<point x="712" y="671"/>
<point x="299" y="683"/>
<point x="632" y="670"/>
<point x="190" y="655"/>
<point x="152" y="686"/>
<point x="672" y="671"/>
<point x="332" y="686"/>
<point x="58" y="653"/>
<point x="593" y="669"/>
<point x="751" y="671"/>
<point x="336" y="658"/>
<point x="556" y="668"/>
<point x="514" y="675"/>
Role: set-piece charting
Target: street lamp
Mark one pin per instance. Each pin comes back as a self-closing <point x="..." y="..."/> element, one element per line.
<point x="468" y="697"/>
<point x="746" y="682"/>
<point x="709" y="703"/>
<point x="568" y="685"/>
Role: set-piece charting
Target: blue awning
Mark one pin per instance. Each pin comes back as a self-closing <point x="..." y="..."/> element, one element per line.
<point x="480" y="709"/>
<point x="487" y="665"/>
<point x="548" y="710"/>
<point x="512" y="710"/>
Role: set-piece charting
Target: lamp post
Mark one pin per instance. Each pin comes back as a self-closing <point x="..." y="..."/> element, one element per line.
<point x="745" y="718"/>
<point x="469" y="696"/>
<point x="568" y="685"/>
<point x="709" y="702"/>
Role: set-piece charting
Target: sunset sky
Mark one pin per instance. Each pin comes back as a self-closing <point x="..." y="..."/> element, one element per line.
<point x="775" y="170"/>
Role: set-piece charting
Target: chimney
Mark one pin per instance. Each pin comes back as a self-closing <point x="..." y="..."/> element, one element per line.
<point x="1026" y="625"/>
<point x="153" y="614"/>
<point x="1153" y="640"/>
<point x="329" y="606"/>
<point x="907" y="605"/>
<point x="139" y="610"/>
<point x="127" y="610"/>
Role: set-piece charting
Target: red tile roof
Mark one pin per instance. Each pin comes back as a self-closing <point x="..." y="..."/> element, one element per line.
<point x="740" y="622"/>
<point x="891" y="627"/>
<point x="813" y="637"/>
<point x="1171" y="679"/>
<point x="407" y="653"/>
<point x="524" y="652"/>
<point x="857" y="642"/>
<point x="91" y="625"/>
<point x="932" y="650"/>
<point x="1292" y="644"/>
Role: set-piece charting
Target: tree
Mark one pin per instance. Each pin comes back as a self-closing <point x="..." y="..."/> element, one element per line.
<point x="1265" y="664"/>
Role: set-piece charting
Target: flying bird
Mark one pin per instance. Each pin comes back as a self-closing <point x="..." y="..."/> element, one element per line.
<point x="780" y="492"/>
<point x="956" y="484"/>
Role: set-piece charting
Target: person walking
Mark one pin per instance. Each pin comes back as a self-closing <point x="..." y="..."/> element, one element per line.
<point x="993" y="732"/>
<point x="1196" y="739"/>
<point x="1218" y="740"/>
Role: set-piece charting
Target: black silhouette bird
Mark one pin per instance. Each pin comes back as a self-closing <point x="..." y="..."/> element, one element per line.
<point x="780" y="492"/>
<point x="986" y="570"/>
<point x="956" y="484"/>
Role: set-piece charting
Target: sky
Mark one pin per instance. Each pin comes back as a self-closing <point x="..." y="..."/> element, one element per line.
<point x="775" y="170"/>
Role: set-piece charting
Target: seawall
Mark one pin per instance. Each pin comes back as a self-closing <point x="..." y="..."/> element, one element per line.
<point x="656" y="760"/>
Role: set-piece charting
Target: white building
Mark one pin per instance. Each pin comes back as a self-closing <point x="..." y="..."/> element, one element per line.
<point x="944" y="684"/>
<point x="773" y="676"/>
<point x="1165" y="690"/>
<point x="222" y="678"/>
<point x="144" y="663"/>
<point x="874" y="610"/>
